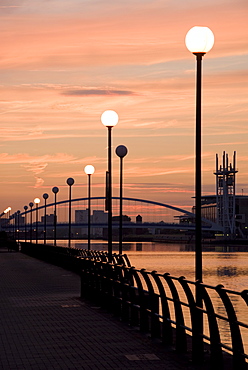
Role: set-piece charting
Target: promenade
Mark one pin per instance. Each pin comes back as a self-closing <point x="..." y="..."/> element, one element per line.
<point x="45" y="325"/>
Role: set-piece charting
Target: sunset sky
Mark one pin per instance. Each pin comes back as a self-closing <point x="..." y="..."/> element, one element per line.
<point x="64" y="62"/>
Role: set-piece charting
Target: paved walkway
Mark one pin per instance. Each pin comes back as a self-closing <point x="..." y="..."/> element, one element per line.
<point x="44" y="325"/>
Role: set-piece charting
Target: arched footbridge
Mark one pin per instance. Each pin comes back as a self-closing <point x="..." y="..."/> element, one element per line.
<point x="206" y="224"/>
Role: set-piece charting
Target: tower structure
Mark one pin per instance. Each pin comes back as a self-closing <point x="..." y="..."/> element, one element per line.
<point x="225" y="194"/>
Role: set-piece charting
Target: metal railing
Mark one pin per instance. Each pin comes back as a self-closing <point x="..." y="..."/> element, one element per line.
<point x="153" y="303"/>
<point x="161" y="305"/>
<point x="69" y="258"/>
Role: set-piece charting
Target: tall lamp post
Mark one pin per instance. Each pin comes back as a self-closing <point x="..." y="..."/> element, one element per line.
<point x="121" y="152"/>
<point x="12" y="217"/>
<point x="14" y="224"/>
<point x="199" y="40"/>
<point x="45" y="197"/>
<point x="70" y="182"/>
<point x="5" y="218"/>
<point x="25" y="222"/>
<point x="89" y="170"/>
<point x="18" y="225"/>
<point x="7" y="211"/>
<point x="36" y="201"/>
<point x="109" y="119"/>
<point x="31" y="222"/>
<point x="55" y="190"/>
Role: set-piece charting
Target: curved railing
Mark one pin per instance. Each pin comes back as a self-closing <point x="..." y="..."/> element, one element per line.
<point x="70" y="258"/>
<point x="160" y="304"/>
<point x="153" y="302"/>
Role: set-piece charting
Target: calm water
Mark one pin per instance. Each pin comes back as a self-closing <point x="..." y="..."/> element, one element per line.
<point x="221" y="264"/>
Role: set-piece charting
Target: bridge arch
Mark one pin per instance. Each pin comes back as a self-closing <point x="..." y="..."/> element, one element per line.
<point x="165" y="205"/>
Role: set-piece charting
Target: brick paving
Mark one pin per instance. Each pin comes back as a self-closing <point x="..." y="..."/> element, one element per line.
<point x="45" y="325"/>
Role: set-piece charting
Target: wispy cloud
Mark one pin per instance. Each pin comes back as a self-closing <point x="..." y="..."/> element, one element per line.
<point x="154" y="171"/>
<point x="98" y="92"/>
<point x="35" y="165"/>
<point x="23" y="158"/>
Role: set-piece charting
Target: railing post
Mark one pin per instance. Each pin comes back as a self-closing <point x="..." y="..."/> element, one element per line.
<point x="237" y="343"/>
<point x="152" y="304"/>
<point x="181" y="339"/>
<point x="166" y="332"/>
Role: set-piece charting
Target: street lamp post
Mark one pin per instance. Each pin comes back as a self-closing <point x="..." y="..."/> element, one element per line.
<point x="45" y="197"/>
<point x="31" y="221"/>
<point x="55" y="190"/>
<point x="109" y="119"/>
<point x="14" y="224"/>
<point x="199" y="40"/>
<point x="18" y="225"/>
<point x="25" y="222"/>
<point x="121" y="152"/>
<point x="36" y="201"/>
<point x="5" y="218"/>
<point x="12" y="217"/>
<point x="7" y="211"/>
<point x="89" y="170"/>
<point x="70" y="182"/>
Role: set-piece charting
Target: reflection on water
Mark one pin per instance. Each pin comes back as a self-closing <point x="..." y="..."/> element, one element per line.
<point x="227" y="271"/>
<point x="226" y="265"/>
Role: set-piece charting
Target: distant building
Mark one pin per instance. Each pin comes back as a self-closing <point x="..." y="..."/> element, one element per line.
<point x="225" y="207"/>
<point x="81" y="216"/>
<point x="125" y="218"/>
<point x="49" y="219"/>
<point x="209" y="211"/>
<point x="99" y="217"/>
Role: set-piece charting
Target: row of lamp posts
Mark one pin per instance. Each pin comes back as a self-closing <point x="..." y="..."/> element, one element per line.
<point x="109" y="117"/>
<point x="55" y="190"/>
<point x="199" y="40"/>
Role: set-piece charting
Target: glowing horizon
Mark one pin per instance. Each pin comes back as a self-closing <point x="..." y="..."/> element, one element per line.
<point x="64" y="64"/>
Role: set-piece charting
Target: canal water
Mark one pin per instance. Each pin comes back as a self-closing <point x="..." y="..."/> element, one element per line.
<point x="226" y="265"/>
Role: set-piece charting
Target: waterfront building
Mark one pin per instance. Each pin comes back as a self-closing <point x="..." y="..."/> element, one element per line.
<point x="99" y="217"/>
<point x="225" y="207"/>
<point x="49" y="219"/>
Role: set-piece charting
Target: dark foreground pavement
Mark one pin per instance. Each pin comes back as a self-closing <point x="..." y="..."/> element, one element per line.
<point x="44" y="325"/>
